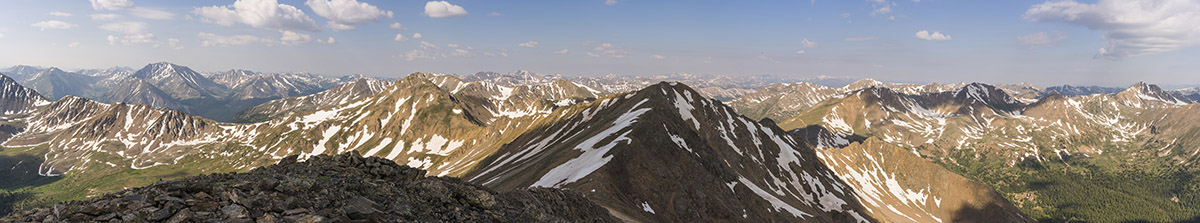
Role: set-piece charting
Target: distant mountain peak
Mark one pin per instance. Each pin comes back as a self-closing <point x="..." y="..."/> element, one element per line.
<point x="860" y="84"/>
<point x="985" y="93"/>
<point x="1142" y="94"/>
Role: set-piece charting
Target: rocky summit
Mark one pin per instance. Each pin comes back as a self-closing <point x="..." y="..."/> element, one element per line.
<point x="342" y="188"/>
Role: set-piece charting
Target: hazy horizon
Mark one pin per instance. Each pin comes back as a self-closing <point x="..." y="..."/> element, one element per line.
<point x="1047" y="43"/>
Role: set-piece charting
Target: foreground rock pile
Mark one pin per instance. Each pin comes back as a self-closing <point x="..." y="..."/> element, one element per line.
<point x="343" y="188"/>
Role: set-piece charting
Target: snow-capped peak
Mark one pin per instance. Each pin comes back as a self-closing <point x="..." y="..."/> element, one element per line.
<point x="1142" y="91"/>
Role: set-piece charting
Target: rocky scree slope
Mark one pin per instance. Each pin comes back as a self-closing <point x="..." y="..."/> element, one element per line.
<point x="342" y="188"/>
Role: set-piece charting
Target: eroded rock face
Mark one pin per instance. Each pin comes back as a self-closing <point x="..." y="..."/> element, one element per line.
<point x="343" y="188"/>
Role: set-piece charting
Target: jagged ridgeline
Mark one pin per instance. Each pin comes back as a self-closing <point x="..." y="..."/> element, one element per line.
<point x="165" y="85"/>
<point x="627" y="152"/>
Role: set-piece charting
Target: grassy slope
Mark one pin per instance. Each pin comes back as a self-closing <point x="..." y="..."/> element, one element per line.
<point x="101" y="179"/>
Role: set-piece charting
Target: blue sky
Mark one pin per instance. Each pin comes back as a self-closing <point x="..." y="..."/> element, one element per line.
<point x="1044" y="42"/>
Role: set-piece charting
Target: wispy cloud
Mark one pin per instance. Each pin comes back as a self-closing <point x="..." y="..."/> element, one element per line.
<point x="1132" y="27"/>
<point x="1041" y="39"/>
<point x="53" y="24"/>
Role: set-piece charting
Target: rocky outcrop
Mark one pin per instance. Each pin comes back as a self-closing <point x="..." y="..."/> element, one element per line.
<point x="343" y="188"/>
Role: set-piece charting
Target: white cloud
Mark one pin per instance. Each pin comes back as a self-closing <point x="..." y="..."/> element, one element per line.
<point x="461" y="52"/>
<point x="925" y="35"/>
<point x="338" y="26"/>
<point x="428" y="45"/>
<point x="265" y="14"/>
<point x="125" y="27"/>
<point x="451" y="45"/>
<point x="860" y="38"/>
<point x="73" y="44"/>
<point x="60" y="14"/>
<point x="111" y="4"/>
<point x="530" y="44"/>
<point x="149" y="13"/>
<point x="209" y="39"/>
<point x="417" y="36"/>
<point x="418" y="54"/>
<point x="494" y="14"/>
<point x="101" y="17"/>
<point x="607" y="49"/>
<point x="52" y="24"/>
<point x="807" y="44"/>
<point x="799" y="52"/>
<point x="131" y="39"/>
<point x="293" y="38"/>
<point x="610" y="2"/>
<point x="884" y="10"/>
<point x="174" y="43"/>
<point x="329" y="41"/>
<point x="1132" y="28"/>
<point x="657" y="57"/>
<point x="344" y="14"/>
<point x="399" y="37"/>
<point x="1041" y="39"/>
<point x="428" y="51"/>
<point x="396" y="26"/>
<point x="881" y="8"/>
<point x="443" y="9"/>
<point x="560" y="52"/>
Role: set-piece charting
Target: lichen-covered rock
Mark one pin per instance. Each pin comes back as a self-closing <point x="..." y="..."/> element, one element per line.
<point x="343" y="188"/>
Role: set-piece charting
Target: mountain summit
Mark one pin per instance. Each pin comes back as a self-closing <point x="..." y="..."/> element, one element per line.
<point x="181" y="82"/>
<point x="1141" y="95"/>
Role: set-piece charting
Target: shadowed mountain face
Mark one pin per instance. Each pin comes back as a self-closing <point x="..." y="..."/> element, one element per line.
<point x="630" y="152"/>
<point x="16" y="99"/>
<point x="56" y="83"/>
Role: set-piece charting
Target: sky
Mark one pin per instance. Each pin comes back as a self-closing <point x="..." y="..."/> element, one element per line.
<point x="1105" y="42"/>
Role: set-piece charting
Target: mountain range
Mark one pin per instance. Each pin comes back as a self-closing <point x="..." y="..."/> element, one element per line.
<point x="168" y="85"/>
<point x="867" y="151"/>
